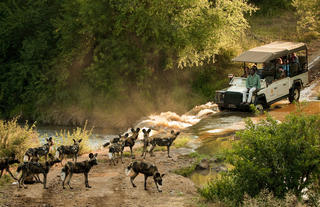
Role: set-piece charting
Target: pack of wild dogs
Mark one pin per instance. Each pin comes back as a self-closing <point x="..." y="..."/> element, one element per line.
<point x="31" y="167"/>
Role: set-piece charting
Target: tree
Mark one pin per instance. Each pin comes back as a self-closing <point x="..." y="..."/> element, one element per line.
<point x="308" y="13"/>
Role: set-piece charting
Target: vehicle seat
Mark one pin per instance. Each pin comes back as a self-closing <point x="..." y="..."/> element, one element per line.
<point x="294" y="69"/>
<point x="269" y="79"/>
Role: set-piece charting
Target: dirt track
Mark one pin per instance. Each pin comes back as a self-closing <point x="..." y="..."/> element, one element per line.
<point x="110" y="187"/>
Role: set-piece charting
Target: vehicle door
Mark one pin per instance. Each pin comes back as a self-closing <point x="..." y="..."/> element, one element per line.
<point x="282" y="88"/>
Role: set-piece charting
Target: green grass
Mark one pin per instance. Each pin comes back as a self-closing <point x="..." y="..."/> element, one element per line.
<point x="181" y="141"/>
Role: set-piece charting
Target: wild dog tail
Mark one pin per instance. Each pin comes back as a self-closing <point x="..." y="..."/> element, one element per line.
<point x="63" y="173"/>
<point x="57" y="154"/>
<point x="128" y="169"/>
<point x="106" y="144"/>
<point x="25" y="158"/>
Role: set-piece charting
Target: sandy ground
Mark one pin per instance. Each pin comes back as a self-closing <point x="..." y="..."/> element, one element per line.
<point x="110" y="187"/>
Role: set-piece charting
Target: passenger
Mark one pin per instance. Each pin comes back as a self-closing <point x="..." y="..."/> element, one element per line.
<point x="282" y="69"/>
<point x="294" y="58"/>
<point x="252" y="84"/>
<point x="246" y="72"/>
<point x="281" y="73"/>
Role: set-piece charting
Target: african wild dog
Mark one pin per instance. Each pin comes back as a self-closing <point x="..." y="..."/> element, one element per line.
<point x="78" y="167"/>
<point x="131" y="140"/>
<point x="39" y="151"/>
<point x="147" y="169"/>
<point x="116" y="146"/>
<point x="145" y="142"/>
<point x="35" y="168"/>
<point x="167" y="141"/>
<point x="69" y="150"/>
<point x="5" y="163"/>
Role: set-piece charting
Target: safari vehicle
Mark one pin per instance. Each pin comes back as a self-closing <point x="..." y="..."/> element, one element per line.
<point x="273" y="88"/>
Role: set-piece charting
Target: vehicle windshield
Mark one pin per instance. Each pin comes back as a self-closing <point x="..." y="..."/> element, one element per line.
<point x="237" y="81"/>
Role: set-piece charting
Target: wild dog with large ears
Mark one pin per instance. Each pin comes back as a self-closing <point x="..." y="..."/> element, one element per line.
<point x="148" y="170"/>
<point x="78" y="167"/>
<point x="146" y="134"/>
<point x="39" y="151"/>
<point x="130" y="141"/>
<point x="69" y="150"/>
<point x="165" y="141"/>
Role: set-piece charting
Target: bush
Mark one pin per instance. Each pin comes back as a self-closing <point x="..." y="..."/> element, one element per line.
<point x="277" y="157"/>
<point x="222" y="189"/>
<point x="77" y="134"/>
<point x="16" y="139"/>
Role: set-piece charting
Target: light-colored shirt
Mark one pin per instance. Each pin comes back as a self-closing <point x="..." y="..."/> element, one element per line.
<point x="253" y="81"/>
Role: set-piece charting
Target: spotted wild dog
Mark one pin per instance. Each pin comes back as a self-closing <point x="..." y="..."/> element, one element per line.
<point x="5" y="164"/>
<point x="69" y="150"/>
<point x="115" y="140"/>
<point x="145" y="142"/>
<point x="116" y="146"/>
<point x="166" y="141"/>
<point x="35" y="168"/>
<point x="147" y="169"/>
<point x="78" y="167"/>
<point x="130" y="141"/>
<point x="39" y="151"/>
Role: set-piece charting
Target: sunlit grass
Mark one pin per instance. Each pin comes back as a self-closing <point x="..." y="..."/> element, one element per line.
<point x="65" y="137"/>
<point x="16" y="139"/>
<point x="181" y="141"/>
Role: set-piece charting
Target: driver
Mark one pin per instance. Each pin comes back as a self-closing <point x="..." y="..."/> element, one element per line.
<point x="252" y="84"/>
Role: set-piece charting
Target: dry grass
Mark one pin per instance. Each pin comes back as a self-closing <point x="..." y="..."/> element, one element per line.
<point x="16" y="139"/>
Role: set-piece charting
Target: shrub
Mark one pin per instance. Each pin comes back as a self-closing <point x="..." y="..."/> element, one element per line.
<point x="277" y="157"/>
<point x="16" y="139"/>
<point x="222" y="189"/>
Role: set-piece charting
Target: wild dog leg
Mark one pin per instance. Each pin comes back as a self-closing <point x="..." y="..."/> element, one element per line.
<point x="132" y="179"/>
<point x="61" y="158"/>
<point x="7" y="169"/>
<point x="168" y="149"/>
<point x="151" y="150"/>
<point x="1" y="173"/>
<point x="86" y="180"/>
<point x="131" y="151"/>
<point x="145" y="182"/>
<point x="69" y="178"/>
<point x="44" y="181"/>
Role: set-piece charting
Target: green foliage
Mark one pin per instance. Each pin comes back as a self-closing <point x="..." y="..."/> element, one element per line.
<point x="279" y="157"/>
<point x="222" y="189"/>
<point x="273" y="7"/>
<point x="267" y="199"/>
<point x="16" y="139"/>
<point x="308" y="13"/>
<point x="186" y="171"/>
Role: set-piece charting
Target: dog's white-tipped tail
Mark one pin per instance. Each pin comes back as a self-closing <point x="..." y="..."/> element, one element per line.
<point x="25" y="158"/>
<point x="63" y="175"/>
<point x="110" y="155"/>
<point x="128" y="169"/>
<point x="57" y="154"/>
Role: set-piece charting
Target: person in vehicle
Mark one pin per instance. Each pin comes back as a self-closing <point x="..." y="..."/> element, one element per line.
<point x="282" y="69"/>
<point x="252" y="84"/>
<point x="246" y="72"/>
<point x="294" y="58"/>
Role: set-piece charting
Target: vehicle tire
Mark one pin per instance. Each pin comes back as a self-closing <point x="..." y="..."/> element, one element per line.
<point x="294" y="94"/>
<point x="260" y="106"/>
<point x="221" y="108"/>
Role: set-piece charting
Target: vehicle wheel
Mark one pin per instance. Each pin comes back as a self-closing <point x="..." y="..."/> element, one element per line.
<point x="221" y="108"/>
<point x="260" y="107"/>
<point x="294" y="95"/>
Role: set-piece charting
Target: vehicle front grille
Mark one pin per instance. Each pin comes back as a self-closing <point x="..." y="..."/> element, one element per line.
<point x="232" y="98"/>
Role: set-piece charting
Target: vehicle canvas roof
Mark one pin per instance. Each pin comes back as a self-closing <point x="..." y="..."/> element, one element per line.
<point x="270" y="51"/>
